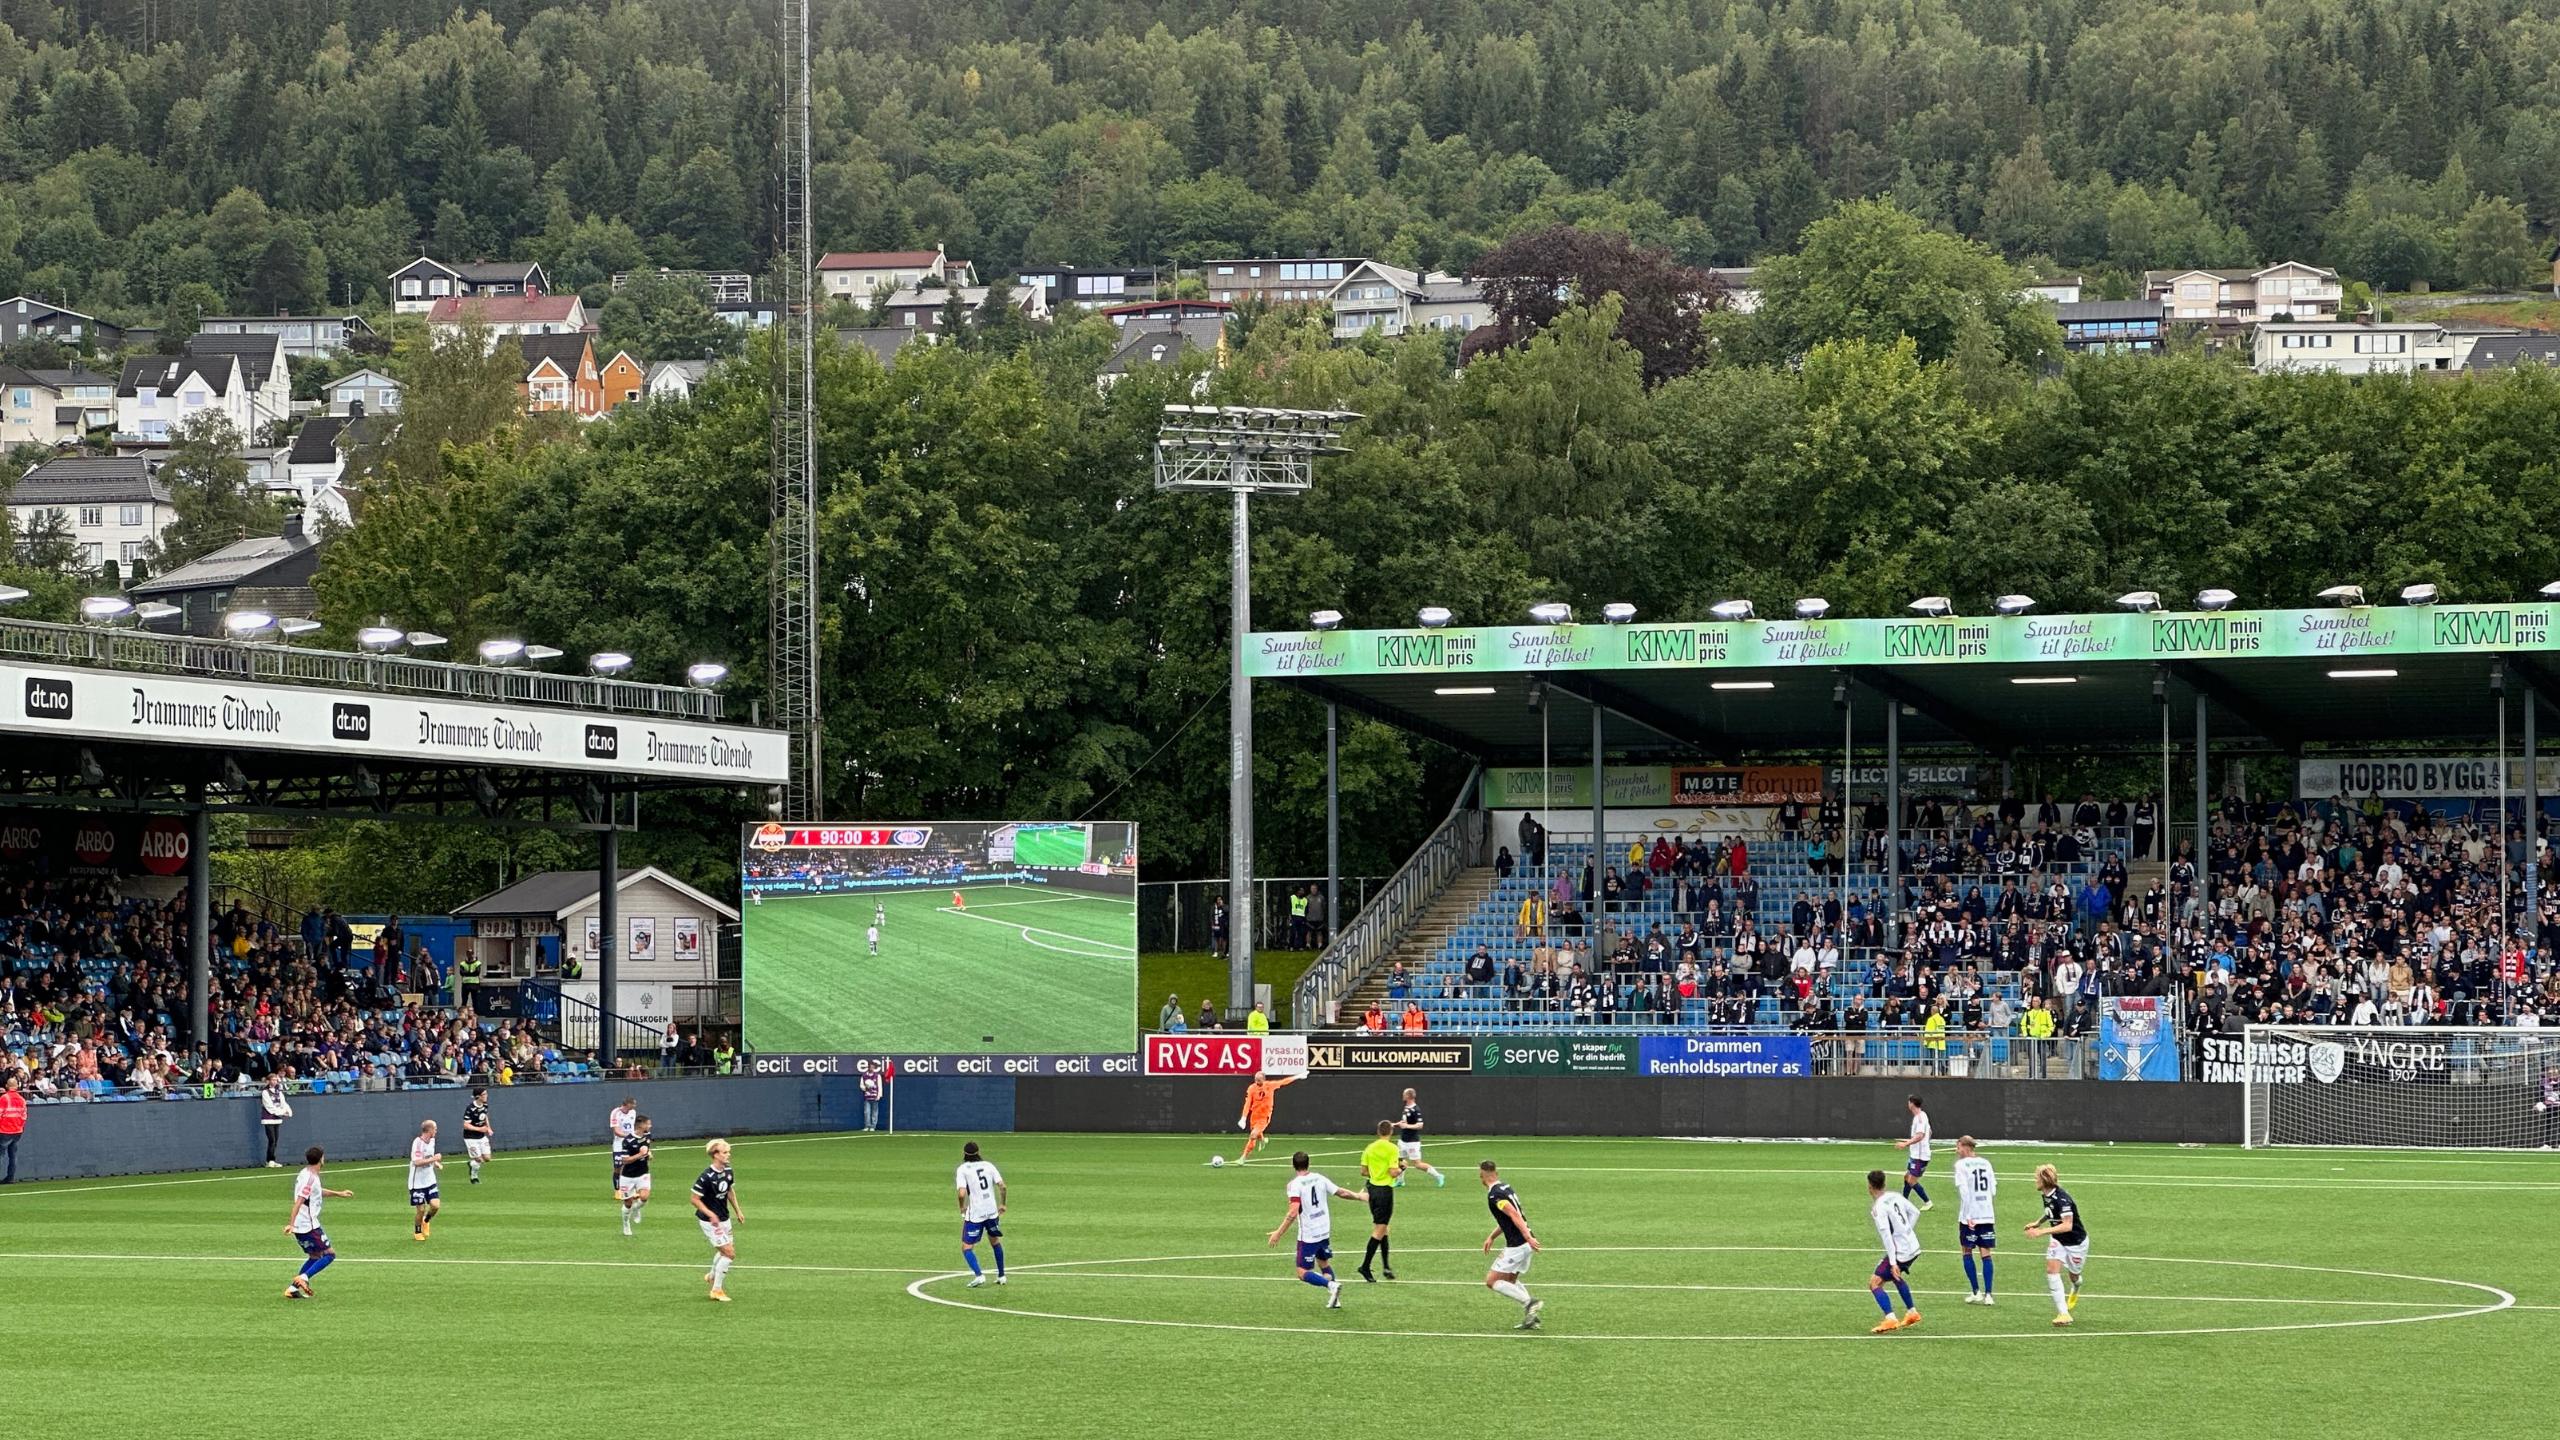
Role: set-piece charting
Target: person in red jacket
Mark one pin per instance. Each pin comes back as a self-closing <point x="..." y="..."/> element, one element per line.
<point x="13" y="1123"/>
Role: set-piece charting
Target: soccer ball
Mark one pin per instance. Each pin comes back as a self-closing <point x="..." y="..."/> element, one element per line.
<point x="1217" y="1162"/>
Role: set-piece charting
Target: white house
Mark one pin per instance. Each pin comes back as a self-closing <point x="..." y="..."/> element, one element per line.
<point x="2289" y="289"/>
<point x="378" y="393"/>
<point x="316" y="467"/>
<point x="50" y="407"/>
<point x="857" y="275"/>
<point x="263" y="368"/>
<point x="113" y="505"/>
<point x="305" y="337"/>
<point x="2353" y="347"/>
<point x="666" y="945"/>
<point x="158" y="393"/>
<point x="509" y="315"/>
<point x="921" y="310"/>
<point x="675" y="379"/>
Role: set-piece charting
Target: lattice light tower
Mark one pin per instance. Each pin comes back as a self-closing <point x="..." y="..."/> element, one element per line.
<point x="1242" y="450"/>
<point x="795" y="437"/>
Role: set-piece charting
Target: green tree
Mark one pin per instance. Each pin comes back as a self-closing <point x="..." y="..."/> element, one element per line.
<point x="463" y="387"/>
<point x="2492" y="250"/>
<point x="1872" y="271"/>
<point x="212" y="501"/>
<point x="664" y="317"/>
<point x="185" y="312"/>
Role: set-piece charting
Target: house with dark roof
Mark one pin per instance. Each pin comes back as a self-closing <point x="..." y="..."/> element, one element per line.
<point x="1156" y="314"/>
<point x="263" y="367"/>
<point x="367" y="391"/>
<point x="1076" y="285"/>
<point x="2506" y="352"/>
<point x="883" y="341"/>
<point x="304" y="337"/>
<point x="418" y="285"/>
<point x="665" y="965"/>
<point x="1166" y="345"/>
<point x="25" y="315"/>
<point x="922" y="310"/>
<point x="53" y="407"/>
<point x="316" y="468"/>
<point x="158" y="393"/>
<point x="113" y="506"/>
<point x="2110" y="325"/>
<point x="561" y="376"/>
<point x="675" y="379"/>
<point x="261" y="572"/>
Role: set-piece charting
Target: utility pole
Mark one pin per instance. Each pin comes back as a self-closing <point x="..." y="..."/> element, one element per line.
<point x="795" y="436"/>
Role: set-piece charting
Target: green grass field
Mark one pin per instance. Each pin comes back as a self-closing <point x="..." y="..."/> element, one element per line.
<point x="1023" y="971"/>
<point x="1692" y="1288"/>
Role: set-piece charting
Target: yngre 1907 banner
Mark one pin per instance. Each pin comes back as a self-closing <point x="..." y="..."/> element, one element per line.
<point x="2016" y="639"/>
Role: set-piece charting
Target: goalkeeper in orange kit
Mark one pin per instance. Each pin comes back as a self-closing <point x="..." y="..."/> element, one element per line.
<point x="1257" y="1111"/>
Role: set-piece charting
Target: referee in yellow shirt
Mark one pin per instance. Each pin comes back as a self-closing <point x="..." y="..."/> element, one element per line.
<point x="1385" y="1172"/>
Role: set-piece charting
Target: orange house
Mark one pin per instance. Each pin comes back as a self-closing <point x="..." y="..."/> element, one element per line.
<point x="624" y="379"/>
<point x="560" y="375"/>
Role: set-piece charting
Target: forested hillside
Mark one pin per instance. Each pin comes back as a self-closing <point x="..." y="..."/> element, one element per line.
<point x="290" y="151"/>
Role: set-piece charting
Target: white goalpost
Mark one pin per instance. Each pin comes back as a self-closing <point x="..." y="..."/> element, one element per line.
<point x="2438" y="1087"/>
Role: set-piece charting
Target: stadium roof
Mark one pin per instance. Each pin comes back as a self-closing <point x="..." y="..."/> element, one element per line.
<point x="2269" y="679"/>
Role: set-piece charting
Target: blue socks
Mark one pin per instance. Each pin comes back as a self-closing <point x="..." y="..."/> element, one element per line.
<point x="972" y="1257"/>
<point x="1905" y="1287"/>
<point x="1883" y="1303"/>
<point x="1910" y="1189"/>
<point x="999" y="1260"/>
<point x="1986" y="1274"/>
<point x="316" y="1264"/>
<point x="1970" y="1283"/>
<point x="1318" y="1279"/>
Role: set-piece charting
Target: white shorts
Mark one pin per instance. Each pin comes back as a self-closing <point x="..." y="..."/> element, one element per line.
<point x="1514" y="1260"/>
<point x="2072" y="1256"/>
<point x="1408" y="1149"/>
<point x="715" y="1231"/>
<point x="631" y="1185"/>
<point x="476" y="1149"/>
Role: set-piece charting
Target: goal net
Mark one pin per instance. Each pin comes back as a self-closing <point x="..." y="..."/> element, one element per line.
<point x="2438" y="1087"/>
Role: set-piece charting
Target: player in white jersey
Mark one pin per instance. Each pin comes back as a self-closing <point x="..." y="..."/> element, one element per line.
<point x="424" y="1163"/>
<point x="1311" y="1198"/>
<point x="1916" y="1162"/>
<point x="617" y="1126"/>
<point x="303" y="1224"/>
<point x="879" y="914"/>
<point x="982" y="1207"/>
<point x="1976" y="1186"/>
<point x="873" y="935"/>
<point x="1897" y="1224"/>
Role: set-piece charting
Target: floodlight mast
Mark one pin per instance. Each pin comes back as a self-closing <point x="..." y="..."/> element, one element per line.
<point x="1241" y="450"/>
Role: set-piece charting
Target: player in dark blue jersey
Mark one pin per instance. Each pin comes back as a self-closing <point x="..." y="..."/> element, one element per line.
<point x="2066" y="1243"/>
<point x="1519" y="1246"/>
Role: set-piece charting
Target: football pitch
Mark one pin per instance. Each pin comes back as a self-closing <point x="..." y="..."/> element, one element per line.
<point x="1691" y="1288"/>
<point x="1021" y="970"/>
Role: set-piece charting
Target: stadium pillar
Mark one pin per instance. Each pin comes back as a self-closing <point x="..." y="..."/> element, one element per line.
<point x="1893" y="821"/>
<point x="199" y="923"/>
<point x="1239" y="758"/>
<point x="2204" y="821"/>
<point x="1599" y="837"/>
<point x="1332" y="821"/>
<point x="1847" y="839"/>
<point x="608" y="928"/>
<point x="2532" y="918"/>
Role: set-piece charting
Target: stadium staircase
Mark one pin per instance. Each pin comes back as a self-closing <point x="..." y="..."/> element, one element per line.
<point x="1431" y="936"/>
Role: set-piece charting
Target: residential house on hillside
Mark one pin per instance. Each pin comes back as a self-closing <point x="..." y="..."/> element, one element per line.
<point x="24" y="315"/>
<point x="1144" y="347"/>
<point x="418" y="285"/>
<point x="883" y="341"/>
<point x="921" y="310"/>
<point x="53" y="407"/>
<point x="2506" y="352"/>
<point x="858" y="275"/>
<point x="623" y="378"/>
<point x="2234" y="299"/>
<point x="675" y="379"/>
<point x="1280" y="282"/>
<point x="2064" y="291"/>
<point x="316" y="474"/>
<point x="720" y="287"/>
<point x="560" y="375"/>
<point x="1157" y="314"/>
<point x="376" y="392"/>
<point x="509" y="315"/>
<point x="1381" y="299"/>
<point x="263" y="572"/>
<point x="113" y="505"/>
<point x="748" y="314"/>
<point x="2357" y="347"/>
<point x="1069" y="284"/>
<point x="2105" y="325"/>
<point x="1741" y="286"/>
<point x="158" y="393"/>
<point x="263" y="366"/>
<point x="305" y="337"/>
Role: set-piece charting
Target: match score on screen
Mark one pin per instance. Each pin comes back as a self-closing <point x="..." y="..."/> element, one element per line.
<point x="966" y="937"/>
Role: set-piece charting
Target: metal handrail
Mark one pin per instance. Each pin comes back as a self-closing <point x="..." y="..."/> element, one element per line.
<point x="1457" y="844"/>
<point x="44" y="640"/>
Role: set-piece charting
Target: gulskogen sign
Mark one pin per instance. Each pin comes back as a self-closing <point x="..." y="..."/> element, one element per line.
<point x="2020" y="639"/>
<point x="1563" y="1055"/>
<point x="1726" y="1056"/>
<point x="2383" y="1057"/>
<point x="183" y="710"/>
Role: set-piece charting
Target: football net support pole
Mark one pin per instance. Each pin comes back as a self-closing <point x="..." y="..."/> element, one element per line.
<point x="2386" y="1086"/>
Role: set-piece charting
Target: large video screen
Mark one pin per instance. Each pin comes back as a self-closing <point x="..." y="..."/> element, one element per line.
<point x="1018" y="937"/>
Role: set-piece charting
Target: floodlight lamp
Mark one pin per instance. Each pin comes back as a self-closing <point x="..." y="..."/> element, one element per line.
<point x="152" y="612"/>
<point x="1432" y="617"/>
<point x="1812" y="607"/>
<point x="541" y="654"/>
<point x="293" y="629"/>
<point x="2417" y="594"/>
<point x="1730" y="609"/>
<point x="241" y="624"/>
<point x="379" y="638"/>
<point x="2014" y="604"/>
<point x="608" y="662"/>
<point x="705" y="674"/>
<point x="425" y="640"/>
<point x="1552" y="612"/>
<point x="501" y="652"/>
<point x="2344" y="594"/>
<point x="105" y="609"/>
<point x="1325" y="620"/>
<point x="1618" y="612"/>
<point x="11" y="594"/>
<point x="2549" y="592"/>
<point x="1938" y="605"/>
<point x="2139" y="600"/>
<point x="2215" y="599"/>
